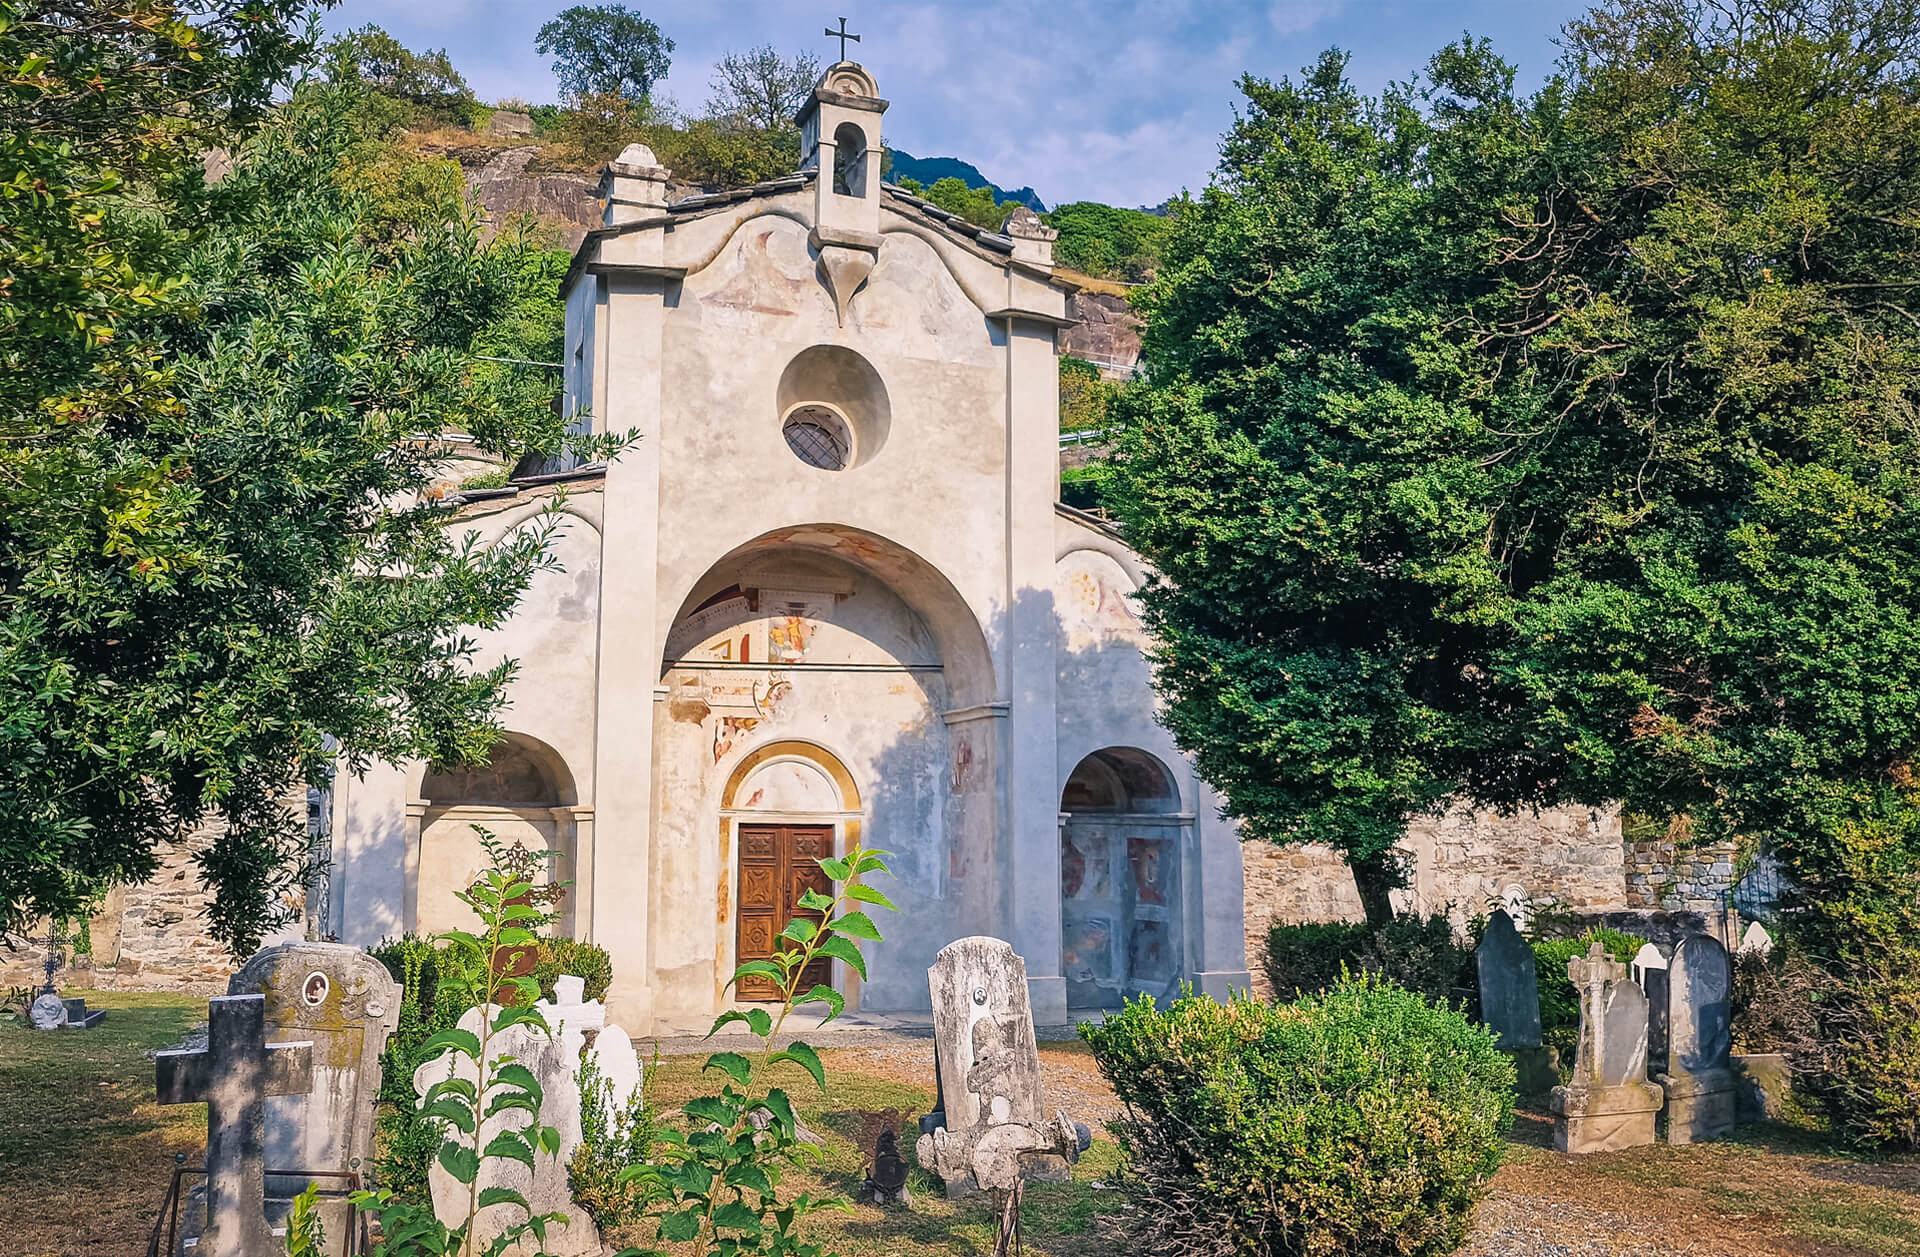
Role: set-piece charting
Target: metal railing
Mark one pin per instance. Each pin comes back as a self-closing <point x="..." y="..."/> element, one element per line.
<point x="359" y="1233"/>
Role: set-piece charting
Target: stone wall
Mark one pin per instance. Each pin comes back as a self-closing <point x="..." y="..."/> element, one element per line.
<point x="1669" y="875"/>
<point x="1462" y="861"/>
<point x="149" y="937"/>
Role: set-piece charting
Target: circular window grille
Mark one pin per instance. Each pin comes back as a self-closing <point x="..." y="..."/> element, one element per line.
<point x="819" y="437"/>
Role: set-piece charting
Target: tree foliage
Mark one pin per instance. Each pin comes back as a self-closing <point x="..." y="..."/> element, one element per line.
<point x="605" y="49"/>
<point x="1556" y="447"/>
<point x="1107" y="242"/>
<point x="761" y="89"/>
<point x="215" y="543"/>
<point x="976" y="205"/>
<point x="425" y="80"/>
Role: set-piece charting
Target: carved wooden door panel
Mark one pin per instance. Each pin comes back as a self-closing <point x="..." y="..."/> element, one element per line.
<point x="778" y="866"/>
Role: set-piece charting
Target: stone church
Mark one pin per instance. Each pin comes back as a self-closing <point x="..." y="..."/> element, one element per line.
<point x="829" y="596"/>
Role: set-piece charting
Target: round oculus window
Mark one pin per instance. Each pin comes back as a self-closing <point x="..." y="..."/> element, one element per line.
<point x="819" y="437"/>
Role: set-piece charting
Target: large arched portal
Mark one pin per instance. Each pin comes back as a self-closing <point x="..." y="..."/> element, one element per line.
<point x="1121" y="837"/>
<point x="523" y="794"/>
<point x="831" y="638"/>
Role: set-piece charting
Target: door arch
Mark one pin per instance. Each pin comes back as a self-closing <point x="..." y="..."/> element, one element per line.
<point x="786" y="804"/>
<point x="1122" y="835"/>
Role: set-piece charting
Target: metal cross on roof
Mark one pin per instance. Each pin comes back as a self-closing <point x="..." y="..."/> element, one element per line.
<point x="843" y="36"/>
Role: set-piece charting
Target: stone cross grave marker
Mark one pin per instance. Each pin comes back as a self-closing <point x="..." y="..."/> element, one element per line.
<point x="234" y="1075"/>
<point x="1510" y="1001"/>
<point x="1701" y="1090"/>
<point x="991" y="1129"/>
<point x="1609" y="1104"/>
<point x="346" y="1004"/>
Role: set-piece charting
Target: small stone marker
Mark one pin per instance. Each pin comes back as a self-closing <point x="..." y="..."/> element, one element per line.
<point x="544" y="1185"/>
<point x="613" y="1055"/>
<point x="1510" y="1001"/>
<point x="1609" y="1105"/>
<point x="346" y="1003"/>
<point x="991" y="1130"/>
<point x="1755" y="939"/>
<point x="234" y="1075"/>
<point x="1702" y="1093"/>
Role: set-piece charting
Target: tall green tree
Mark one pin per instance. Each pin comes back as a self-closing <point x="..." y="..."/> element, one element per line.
<point x="425" y="80"/>
<point x="605" y="49"/>
<point x="1557" y="447"/>
<point x="216" y="546"/>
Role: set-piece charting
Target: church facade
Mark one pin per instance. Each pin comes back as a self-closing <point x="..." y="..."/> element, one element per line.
<point x="828" y="596"/>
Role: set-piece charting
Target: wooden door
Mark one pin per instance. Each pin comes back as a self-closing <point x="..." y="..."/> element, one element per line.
<point x="778" y="864"/>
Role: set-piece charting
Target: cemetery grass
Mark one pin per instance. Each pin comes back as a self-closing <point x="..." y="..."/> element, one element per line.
<point x="85" y="1153"/>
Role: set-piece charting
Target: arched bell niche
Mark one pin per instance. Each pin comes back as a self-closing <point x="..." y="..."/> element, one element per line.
<point x="1122" y="836"/>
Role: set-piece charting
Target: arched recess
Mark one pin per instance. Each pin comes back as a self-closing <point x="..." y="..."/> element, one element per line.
<point x="1122" y="842"/>
<point x="524" y="793"/>
<point x="785" y="805"/>
<point x="965" y="659"/>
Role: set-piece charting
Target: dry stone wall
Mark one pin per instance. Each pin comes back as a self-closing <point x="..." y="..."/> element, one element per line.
<point x="1668" y="876"/>
<point x="1463" y="862"/>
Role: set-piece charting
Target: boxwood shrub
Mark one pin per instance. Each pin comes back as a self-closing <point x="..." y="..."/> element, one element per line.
<point x="1419" y="953"/>
<point x="1364" y="1120"/>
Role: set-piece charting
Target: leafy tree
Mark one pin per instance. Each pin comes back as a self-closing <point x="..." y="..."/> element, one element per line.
<point x="605" y="49"/>
<point x="762" y="90"/>
<point x="1557" y="447"/>
<point x="194" y="588"/>
<point x="426" y="80"/>
<point x="1107" y="242"/>
<point x="976" y="205"/>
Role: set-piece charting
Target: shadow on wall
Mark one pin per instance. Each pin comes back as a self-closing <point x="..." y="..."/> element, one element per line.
<point x="1119" y="915"/>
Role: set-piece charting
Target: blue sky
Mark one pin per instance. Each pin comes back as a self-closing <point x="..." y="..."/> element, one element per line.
<point x="1120" y="101"/>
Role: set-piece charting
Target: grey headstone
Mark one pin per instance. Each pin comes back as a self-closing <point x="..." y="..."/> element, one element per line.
<point x="1699" y="1007"/>
<point x="1509" y="988"/>
<point x="544" y="1185"/>
<point x="994" y="1125"/>
<point x="49" y="1012"/>
<point x="346" y="1004"/>
<point x="1623" y="1042"/>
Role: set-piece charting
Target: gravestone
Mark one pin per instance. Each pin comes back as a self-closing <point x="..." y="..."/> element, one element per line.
<point x="570" y="1014"/>
<point x="1650" y="971"/>
<point x="1755" y="939"/>
<point x="1510" y="1001"/>
<point x="991" y="1129"/>
<point x="346" y="1004"/>
<point x="1702" y="1093"/>
<point x="1609" y="1105"/>
<point x="544" y="1184"/>
<point x="613" y="1055"/>
<point x="234" y="1075"/>
<point x="49" y="1012"/>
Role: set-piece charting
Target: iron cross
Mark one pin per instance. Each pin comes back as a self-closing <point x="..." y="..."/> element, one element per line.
<point x="843" y="36"/>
